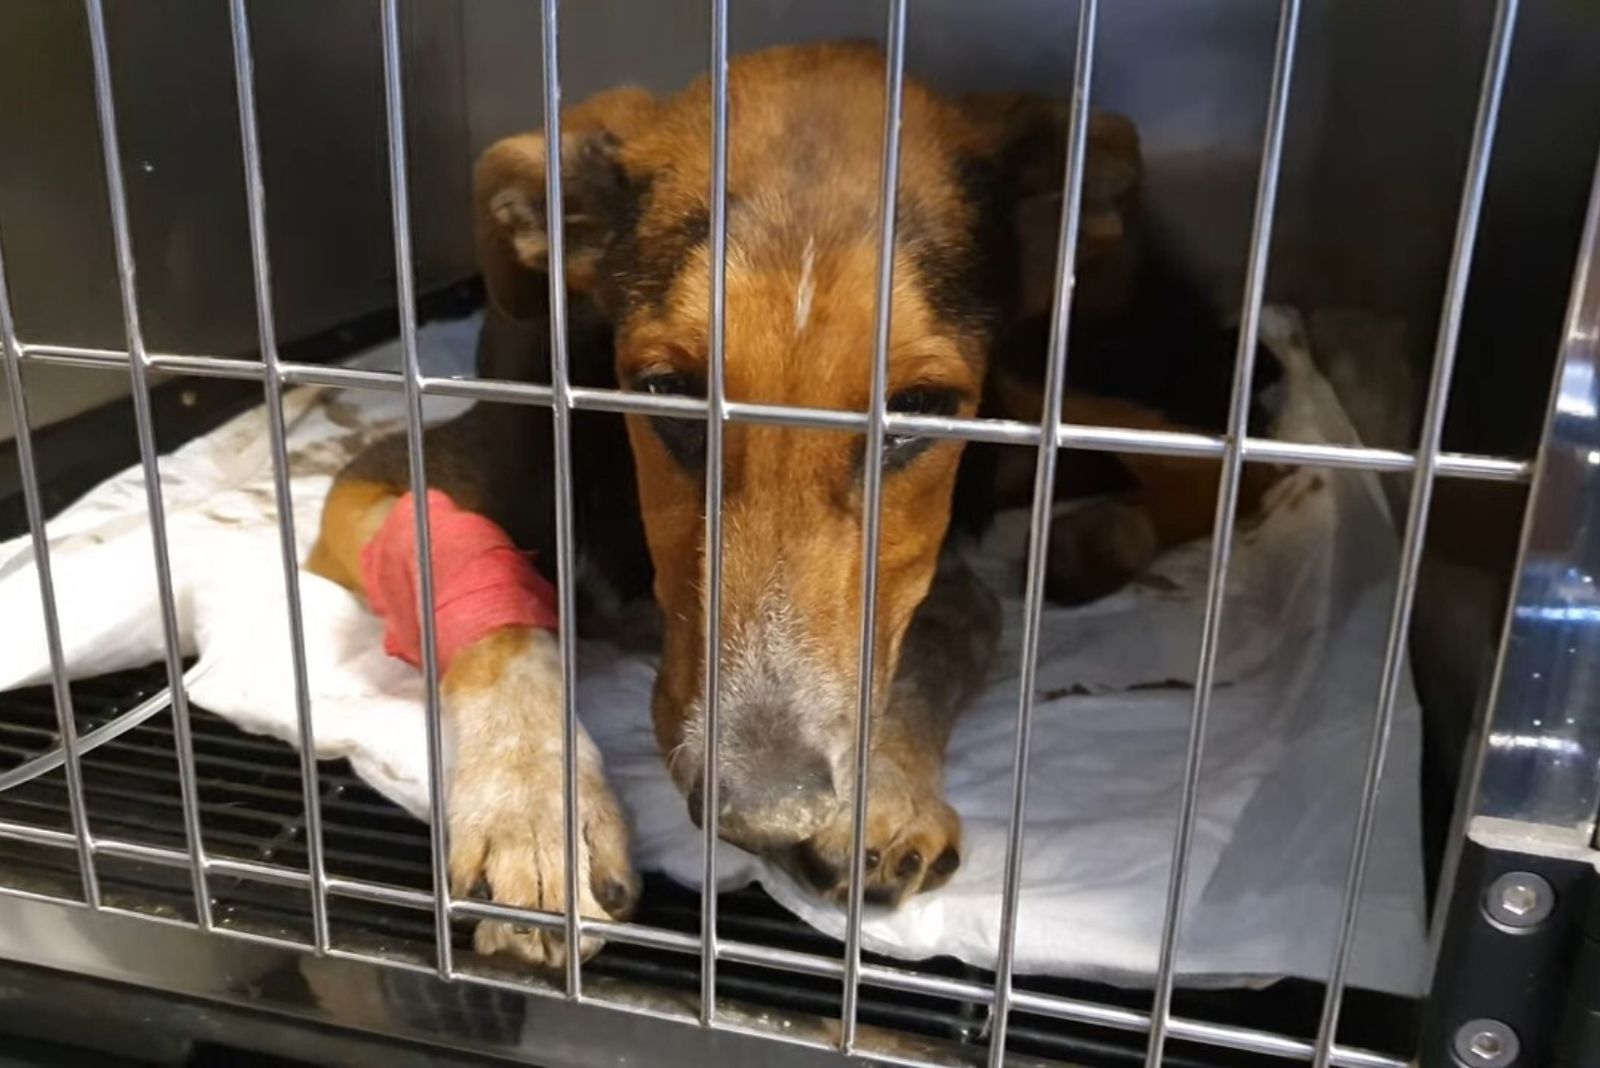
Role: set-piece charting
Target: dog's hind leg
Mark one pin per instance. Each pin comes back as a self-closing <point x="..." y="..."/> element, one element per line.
<point x="1160" y="501"/>
<point x="502" y="693"/>
<point x="1100" y="547"/>
<point x="913" y="836"/>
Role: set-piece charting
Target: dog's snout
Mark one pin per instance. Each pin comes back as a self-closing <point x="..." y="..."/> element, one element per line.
<point x="775" y="799"/>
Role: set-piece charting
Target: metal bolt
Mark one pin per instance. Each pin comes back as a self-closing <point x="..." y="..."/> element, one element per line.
<point x="1519" y="899"/>
<point x="1486" y="1044"/>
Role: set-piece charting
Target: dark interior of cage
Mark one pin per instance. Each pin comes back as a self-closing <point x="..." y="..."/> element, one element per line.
<point x="1378" y="135"/>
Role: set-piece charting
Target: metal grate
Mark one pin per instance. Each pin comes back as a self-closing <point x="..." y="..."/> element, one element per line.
<point x="252" y="812"/>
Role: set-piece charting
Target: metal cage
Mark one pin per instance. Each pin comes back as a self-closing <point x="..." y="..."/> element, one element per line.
<point x="1534" y="793"/>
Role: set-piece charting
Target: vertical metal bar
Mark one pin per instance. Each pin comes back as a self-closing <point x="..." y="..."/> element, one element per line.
<point x="1416" y="529"/>
<point x="561" y="386"/>
<point x="66" y="723"/>
<point x="1223" y="522"/>
<point x="405" y="283"/>
<point x="138" y="368"/>
<point x="255" y="196"/>
<point x="1044" y="480"/>
<point x="716" y="400"/>
<point x="871" y="509"/>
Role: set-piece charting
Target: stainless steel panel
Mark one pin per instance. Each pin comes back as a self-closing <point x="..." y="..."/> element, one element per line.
<point x="1541" y="754"/>
<point x="524" y="1027"/>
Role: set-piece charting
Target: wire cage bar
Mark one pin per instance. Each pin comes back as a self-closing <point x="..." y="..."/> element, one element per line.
<point x="138" y="370"/>
<point x="1080" y="436"/>
<point x="261" y="270"/>
<point x="66" y="720"/>
<point x="562" y="408"/>
<point x="1416" y="525"/>
<point x="1222" y="526"/>
<point x="716" y="417"/>
<point x="405" y="293"/>
<point x="1233" y="449"/>
<point x="1044" y="482"/>
<point x="872" y="514"/>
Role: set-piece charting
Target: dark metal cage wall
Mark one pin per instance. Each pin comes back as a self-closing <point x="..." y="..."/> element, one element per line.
<point x="1000" y="1001"/>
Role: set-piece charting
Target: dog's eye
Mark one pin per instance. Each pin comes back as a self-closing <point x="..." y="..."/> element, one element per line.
<point x="668" y="383"/>
<point x="685" y="439"/>
<point x="919" y="400"/>
<point x="925" y="400"/>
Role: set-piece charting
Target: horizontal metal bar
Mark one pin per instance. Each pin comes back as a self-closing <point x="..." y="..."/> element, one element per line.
<point x="1471" y="466"/>
<point x="380" y="894"/>
<point x="118" y="847"/>
<point x="497" y="390"/>
<point x="638" y="934"/>
<point x="27" y="832"/>
<point x="48" y="899"/>
<point x="307" y="374"/>
<point x="75" y="356"/>
<point x="311" y="374"/>
<point x="258" y="872"/>
<point x="240" y="934"/>
<point x="87" y="743"/>
<point x="398" y="963"/>
<point x="207" y="367"/>
<point x="488" y="910"/>
<point x="165" y="921"/>
<point x="1243" y="1039"/>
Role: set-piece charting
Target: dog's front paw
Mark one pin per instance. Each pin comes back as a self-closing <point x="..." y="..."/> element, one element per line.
<point x="507" y="843"/>
<point x="912" y="841"/>
<point x="1097" y="549"/>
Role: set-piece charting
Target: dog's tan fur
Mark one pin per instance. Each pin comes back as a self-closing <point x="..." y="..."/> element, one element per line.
<point x="805" y="140"/>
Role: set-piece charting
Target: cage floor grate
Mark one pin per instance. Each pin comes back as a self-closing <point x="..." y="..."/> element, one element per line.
<point x="251" y="809"/>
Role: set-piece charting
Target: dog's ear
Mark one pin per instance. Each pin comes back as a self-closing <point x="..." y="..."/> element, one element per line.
<point x="1031" y="137"/>
<point x="598" y="194"/>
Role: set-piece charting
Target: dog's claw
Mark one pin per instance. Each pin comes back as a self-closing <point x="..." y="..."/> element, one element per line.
<point x="508" y="846"/>
<point x="616" y="896"/>
<point x="906" y="823"/>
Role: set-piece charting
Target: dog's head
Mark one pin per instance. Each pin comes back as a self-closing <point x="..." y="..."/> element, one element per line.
<point x="975" y="232"/>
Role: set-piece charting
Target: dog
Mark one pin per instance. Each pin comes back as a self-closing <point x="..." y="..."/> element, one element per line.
<point x="977" y="211"/>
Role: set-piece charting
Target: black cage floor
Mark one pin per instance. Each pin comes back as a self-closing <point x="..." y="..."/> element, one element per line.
<point x="250" y="799"/>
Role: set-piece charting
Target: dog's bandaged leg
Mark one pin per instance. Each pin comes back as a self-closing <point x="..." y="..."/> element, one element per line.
<point x="481" y="581"/>
<point x="501" y="688"/>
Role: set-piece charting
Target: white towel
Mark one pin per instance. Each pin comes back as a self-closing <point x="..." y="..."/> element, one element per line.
<point x="1308" y="598"/>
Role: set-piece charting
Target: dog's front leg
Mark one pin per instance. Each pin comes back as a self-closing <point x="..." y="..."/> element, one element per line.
<point x="503" y="700"/>
<point x="502" y="695"/>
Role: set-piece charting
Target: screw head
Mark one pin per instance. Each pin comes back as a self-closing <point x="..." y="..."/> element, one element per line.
<point x="1519" y="899"/>
<point x="1486" y="1044"/>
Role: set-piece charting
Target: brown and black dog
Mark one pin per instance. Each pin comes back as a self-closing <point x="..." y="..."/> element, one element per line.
<point x="977" y="211"/>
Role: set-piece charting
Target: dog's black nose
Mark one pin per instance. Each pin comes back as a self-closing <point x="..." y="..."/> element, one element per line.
<point x="775" y="800"/>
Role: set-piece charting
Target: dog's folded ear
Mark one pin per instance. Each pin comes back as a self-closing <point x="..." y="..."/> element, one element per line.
<point x="1032" y="136"/>
<point x="598" y="195"/>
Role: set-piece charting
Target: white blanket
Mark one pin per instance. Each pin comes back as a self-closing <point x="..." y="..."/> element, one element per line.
<point x="1307" y="601"/>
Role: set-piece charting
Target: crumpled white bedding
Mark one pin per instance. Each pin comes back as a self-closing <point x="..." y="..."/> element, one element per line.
<point x="1307" y="603"/>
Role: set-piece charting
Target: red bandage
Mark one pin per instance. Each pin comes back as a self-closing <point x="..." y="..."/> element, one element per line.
<point x="481" y="581"/>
